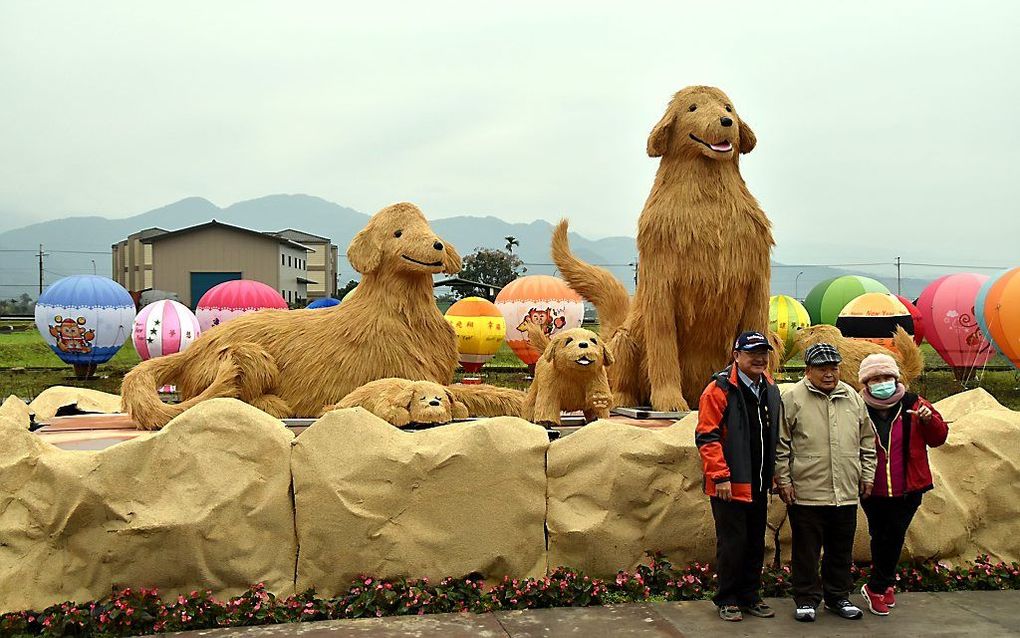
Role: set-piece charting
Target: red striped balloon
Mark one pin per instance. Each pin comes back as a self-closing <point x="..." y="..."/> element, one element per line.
<point x="164" y="327"/>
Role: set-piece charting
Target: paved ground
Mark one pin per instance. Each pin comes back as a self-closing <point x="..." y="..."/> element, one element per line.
<point x="984" y="614"/>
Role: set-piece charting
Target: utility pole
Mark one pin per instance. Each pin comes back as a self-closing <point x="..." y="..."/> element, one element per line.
<point x="41" y="253"/>
<point x="898" y="291"/>
<point x="633" y="265"/>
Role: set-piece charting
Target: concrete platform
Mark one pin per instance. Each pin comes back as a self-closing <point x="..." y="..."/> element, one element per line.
<point x="984" y="614"/>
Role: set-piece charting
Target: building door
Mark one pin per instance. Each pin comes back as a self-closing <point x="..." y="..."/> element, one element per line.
<point x="201" y="282"/>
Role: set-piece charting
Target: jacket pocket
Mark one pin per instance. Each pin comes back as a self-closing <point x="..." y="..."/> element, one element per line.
<point x="810" y="476"/>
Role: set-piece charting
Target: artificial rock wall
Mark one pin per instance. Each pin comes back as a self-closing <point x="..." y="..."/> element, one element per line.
<point x="224" y="496"/>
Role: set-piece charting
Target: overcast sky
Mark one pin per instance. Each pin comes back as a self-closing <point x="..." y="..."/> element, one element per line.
<point x="884" y="128"/>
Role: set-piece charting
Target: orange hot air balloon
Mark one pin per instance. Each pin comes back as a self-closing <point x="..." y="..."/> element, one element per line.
<point x="540" y="299"/>
<point x="1001" y="310"/>
<point x="480" y="329"/>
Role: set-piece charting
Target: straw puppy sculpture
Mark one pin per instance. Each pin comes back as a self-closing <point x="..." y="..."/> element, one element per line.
<point x="908" y="355"/>
<point x="295" y="362"/>
<point x="703" y="265"/>
<point x="401" y="402"/>
<point x="571" y="375"/>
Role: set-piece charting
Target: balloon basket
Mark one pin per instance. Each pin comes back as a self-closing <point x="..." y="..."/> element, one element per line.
<point x="84" y="371"/>
<point x="471" y="381"/>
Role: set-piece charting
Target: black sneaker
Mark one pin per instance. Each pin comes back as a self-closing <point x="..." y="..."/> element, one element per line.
<point x="845" y="609"/>
<point x="804" y="613"/>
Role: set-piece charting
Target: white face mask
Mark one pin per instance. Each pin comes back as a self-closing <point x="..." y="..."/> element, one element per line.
<point x="882" y="390"/>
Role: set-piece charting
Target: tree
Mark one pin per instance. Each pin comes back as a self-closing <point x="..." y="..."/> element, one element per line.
<point x="346" y="289"/>
<point x="489" y="266"/>
<point x="511" y="241"/>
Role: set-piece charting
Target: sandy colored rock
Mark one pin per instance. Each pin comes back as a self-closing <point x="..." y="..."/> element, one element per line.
<point x="958" y="405"/>
<point x="616" y="490"/>
<point x="203" y="504"/>
<point x="50" y="400"/>
<point x="456" y="499"/>
<point x="16" y="411"/>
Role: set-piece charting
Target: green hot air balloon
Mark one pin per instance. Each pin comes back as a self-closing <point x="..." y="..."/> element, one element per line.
<point x="827" y="299"/>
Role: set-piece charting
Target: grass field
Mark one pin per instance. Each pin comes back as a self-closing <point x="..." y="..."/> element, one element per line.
<point x="28" y="366"/>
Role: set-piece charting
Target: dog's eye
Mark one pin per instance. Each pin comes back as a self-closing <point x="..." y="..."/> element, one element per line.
<point x="398" y="233"/>
<point x="567" y="342"/>
<point x="729" y="109"/>
<point x="692" y="108"/>
<point x="593" y="340"/>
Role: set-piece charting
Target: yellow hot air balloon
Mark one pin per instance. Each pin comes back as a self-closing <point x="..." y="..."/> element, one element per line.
<point x="480" y="329"/>
<point x="786" y="317"/>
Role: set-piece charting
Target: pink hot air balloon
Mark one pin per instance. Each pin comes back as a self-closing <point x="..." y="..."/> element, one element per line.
<point x="915" y="316"/>
<point x="950" y="324"/>
<point x="164" y="327"/>
<point x="233" y="298"/>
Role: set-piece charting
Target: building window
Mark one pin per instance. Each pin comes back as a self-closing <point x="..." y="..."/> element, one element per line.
<point x="283" y="260"/>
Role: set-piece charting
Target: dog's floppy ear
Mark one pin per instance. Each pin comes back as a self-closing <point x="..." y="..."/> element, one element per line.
<point x="607" y="355"/>
<point x="550" y="350"/>
<point x="748" y="140"/>
<point x="364" y="253"/>
<point x="457" y="409"/>
<point x="397" y="393"/>
<point x="451" y="259"/>
<point x="658" y="140"/>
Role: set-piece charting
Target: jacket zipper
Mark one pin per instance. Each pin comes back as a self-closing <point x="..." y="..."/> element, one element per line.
<point x="878" y="441"/>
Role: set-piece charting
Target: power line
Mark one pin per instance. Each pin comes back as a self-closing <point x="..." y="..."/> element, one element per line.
<point x="911" y="263"/>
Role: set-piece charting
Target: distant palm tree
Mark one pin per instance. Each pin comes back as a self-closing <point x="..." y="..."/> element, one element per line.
<point x="511" y="241"/>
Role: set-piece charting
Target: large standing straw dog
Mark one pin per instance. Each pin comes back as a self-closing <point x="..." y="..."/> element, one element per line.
<point x="295" y="362"/>
<point x="703" y="259"/>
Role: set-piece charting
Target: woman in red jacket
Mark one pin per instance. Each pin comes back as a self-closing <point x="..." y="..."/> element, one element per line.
<point x="906" y="425"/>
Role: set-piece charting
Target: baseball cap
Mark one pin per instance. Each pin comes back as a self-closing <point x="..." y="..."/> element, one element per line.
<point x="751" y="340"/>
<point x="821" y="354"/>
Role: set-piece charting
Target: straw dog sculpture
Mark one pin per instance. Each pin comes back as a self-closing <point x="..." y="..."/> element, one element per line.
<point x="401" y="402"/>
<point x="295" y="362"/>
<point x="571" y="375"/>
<point x="908" y="356"/>
<point x="703" y="259"/>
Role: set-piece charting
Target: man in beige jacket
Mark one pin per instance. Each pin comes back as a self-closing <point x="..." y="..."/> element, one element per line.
<point x="825" y="461"/>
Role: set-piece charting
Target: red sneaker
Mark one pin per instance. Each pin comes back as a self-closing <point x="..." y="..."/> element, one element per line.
<point x="876" y="602"/>
<point x="889" y="597"/>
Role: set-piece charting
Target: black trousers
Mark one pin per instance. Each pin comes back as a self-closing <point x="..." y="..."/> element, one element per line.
<point x="739" y="549"/>
<point x="888" y="520"/>
<point x="828" y="529"/>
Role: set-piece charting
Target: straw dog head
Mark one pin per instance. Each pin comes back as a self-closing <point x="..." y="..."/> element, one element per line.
<point x="701" y="122"/>
<point x="398" y="240"/>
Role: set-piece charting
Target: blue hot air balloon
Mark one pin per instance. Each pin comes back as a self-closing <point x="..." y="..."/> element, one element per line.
<point x="325" y="302"/>
<point x="85" y="319"/>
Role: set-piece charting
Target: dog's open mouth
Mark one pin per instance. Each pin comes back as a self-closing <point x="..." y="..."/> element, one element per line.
<point x="434" y="264"/>
<point x="584" y="360"/>
<point x="720" y="147"/>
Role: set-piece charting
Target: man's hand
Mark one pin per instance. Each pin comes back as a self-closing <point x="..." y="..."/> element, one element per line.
<point x="723" y="491"/>
<point x="866" y="489"/>
<point x="787" y="494"/>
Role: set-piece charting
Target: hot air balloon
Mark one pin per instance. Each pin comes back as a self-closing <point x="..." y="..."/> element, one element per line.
<point x="350" y="293"/>
<point x="325" y="302"/>
<point x="786" y="317"/>
<point x="541" y="299"/>
<point x="874" y="317"/>
<point x="85" y="319"/>
<point x="164" y="327"/>
<point x="233" y="298"/>
<point x="999" y="313"/>
<point x="480" y="329"/>
<point x="827" y="299"/>
<point x="915" y="316"/>
<point x="947" y="310"/>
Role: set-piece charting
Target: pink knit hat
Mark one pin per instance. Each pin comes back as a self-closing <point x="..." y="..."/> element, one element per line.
<point x="875" y="365"/>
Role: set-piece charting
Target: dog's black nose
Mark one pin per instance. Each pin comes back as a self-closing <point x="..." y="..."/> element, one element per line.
<point x="438" y="245"/>
<point x="583" y="344"/>
<point x="435" y="403"/>
<point x="725" y="121"/>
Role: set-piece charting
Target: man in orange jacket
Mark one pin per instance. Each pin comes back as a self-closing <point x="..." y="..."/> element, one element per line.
<point x="738" y="426"/>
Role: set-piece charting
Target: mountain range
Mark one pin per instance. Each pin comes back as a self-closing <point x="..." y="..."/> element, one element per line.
<point x="76" y="245"/>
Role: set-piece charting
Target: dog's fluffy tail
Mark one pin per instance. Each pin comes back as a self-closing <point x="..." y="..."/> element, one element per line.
<point x="140" y="399"/>
<point x="489" y="400"/>
<point x="911" y="359"/>
<point x="595" y="284"/>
